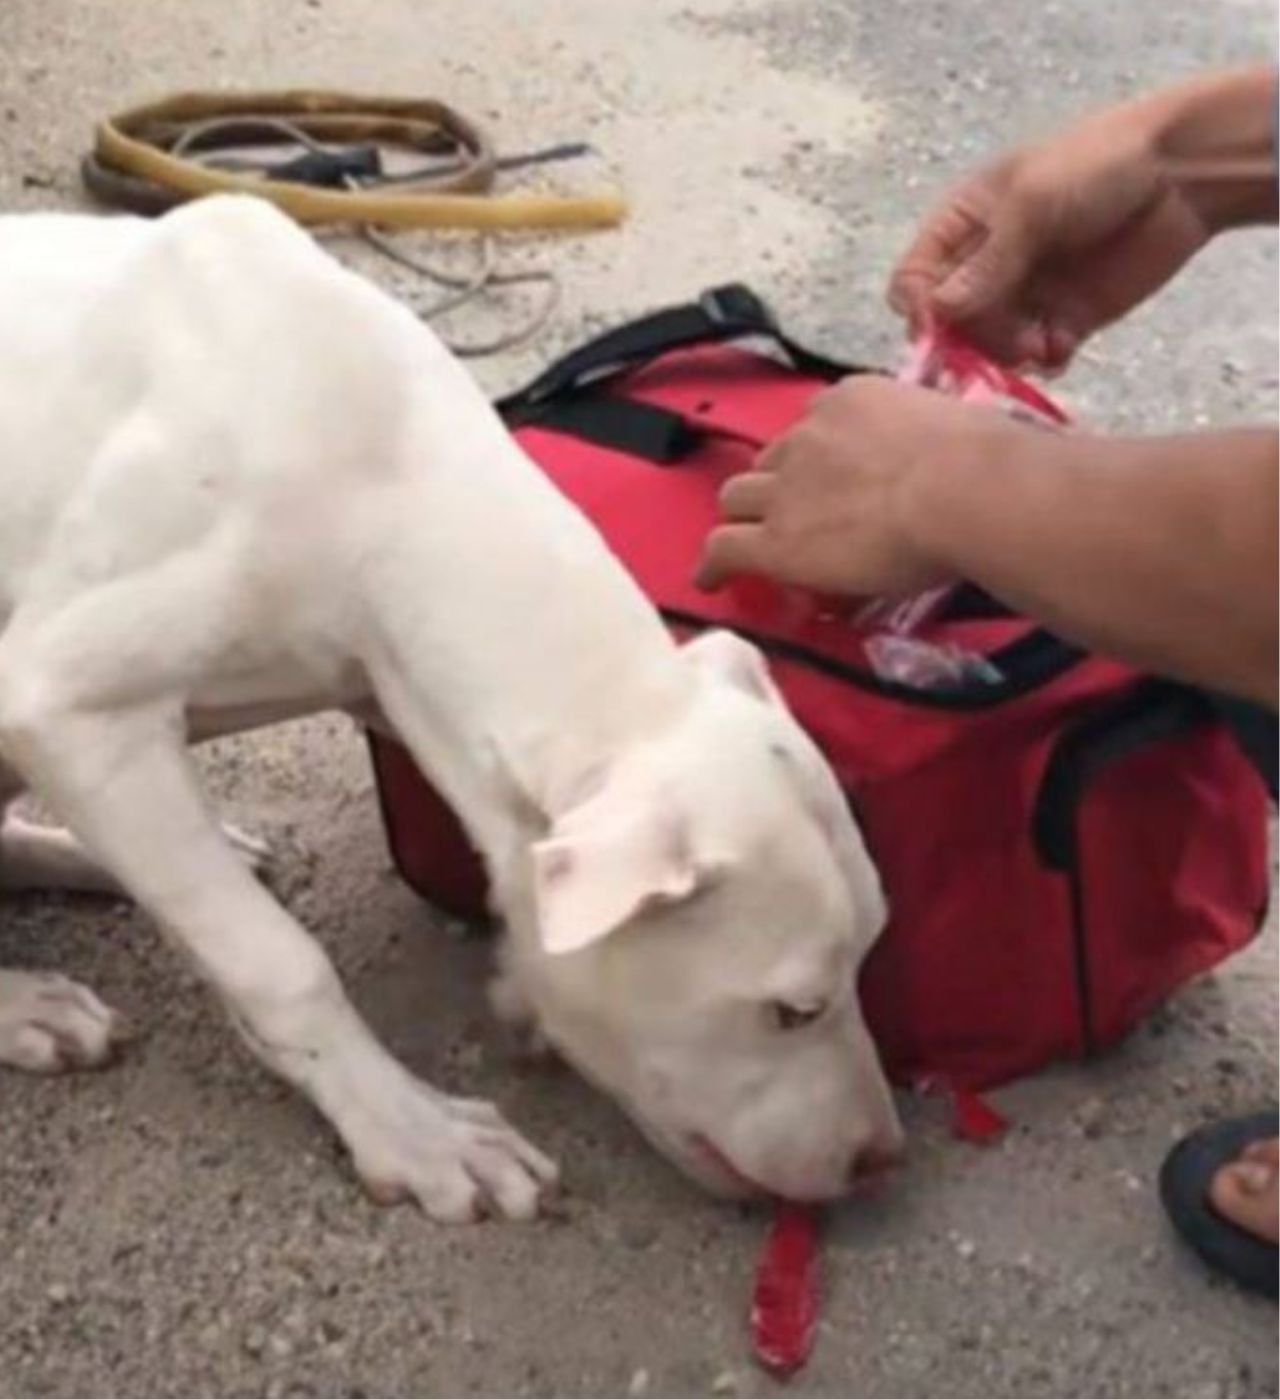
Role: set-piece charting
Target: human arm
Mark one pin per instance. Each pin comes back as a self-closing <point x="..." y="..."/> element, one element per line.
<point x="1159" y="550"/>
<point x="1035" y="252"/>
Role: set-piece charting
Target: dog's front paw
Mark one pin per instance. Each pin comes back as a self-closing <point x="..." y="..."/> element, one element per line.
<point x="458" y="1158"/>
<point x="49" y="1024"/>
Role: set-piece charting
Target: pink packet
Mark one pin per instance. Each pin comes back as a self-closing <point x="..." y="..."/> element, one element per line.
<point x="939" y="358"/>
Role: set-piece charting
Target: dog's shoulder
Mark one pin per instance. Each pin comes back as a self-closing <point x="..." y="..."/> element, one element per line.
<point x="237" y="235"/>
<point x="239" y="264"/>
<point x="232" y="311"/>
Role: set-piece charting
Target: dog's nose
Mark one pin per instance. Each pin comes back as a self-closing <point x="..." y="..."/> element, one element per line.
<point x="871" y="1166"/>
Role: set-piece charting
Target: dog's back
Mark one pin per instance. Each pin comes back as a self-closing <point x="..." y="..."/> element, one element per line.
<point x="51" y="265"/>
<point x="162" y="381"/>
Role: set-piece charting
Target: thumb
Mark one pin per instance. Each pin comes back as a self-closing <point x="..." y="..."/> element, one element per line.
<point x="989" y="276"/>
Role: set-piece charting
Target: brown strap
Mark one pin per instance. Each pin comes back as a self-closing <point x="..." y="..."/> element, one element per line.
<point x="133" y="163"/>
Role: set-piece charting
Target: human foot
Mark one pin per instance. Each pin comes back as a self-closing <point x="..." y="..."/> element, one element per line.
<point x="1219" y="1186"/>
<point x="1246" y="1191"/>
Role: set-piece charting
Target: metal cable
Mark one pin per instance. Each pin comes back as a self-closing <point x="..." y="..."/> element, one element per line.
<point x="462" y="289"/>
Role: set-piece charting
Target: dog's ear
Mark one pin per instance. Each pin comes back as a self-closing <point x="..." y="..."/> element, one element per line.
<point x="610" y="859"/>
<point x="730" y="658"/>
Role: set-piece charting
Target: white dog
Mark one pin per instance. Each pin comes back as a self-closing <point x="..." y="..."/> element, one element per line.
<point x="241" y="484"/>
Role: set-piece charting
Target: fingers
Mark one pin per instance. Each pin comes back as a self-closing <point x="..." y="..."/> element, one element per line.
<point x="969" y="264"/>
<point x="945" y="239"/>
<point x="1042" y="336"/>
<point x="747" y="497"/>
<point x="990" y="277"/>
<point x="731" y="550"/>
<point x="1045" y="345"/>
<point x="740" y="545"/>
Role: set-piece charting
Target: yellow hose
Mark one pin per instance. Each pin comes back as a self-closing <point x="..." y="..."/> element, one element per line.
<point x="120" y="143"/>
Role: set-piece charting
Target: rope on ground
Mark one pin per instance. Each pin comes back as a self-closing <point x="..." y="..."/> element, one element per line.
<point x="154" y="157"/>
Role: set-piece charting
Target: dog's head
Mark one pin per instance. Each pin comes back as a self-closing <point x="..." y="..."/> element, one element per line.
<point x="698" y="919"/>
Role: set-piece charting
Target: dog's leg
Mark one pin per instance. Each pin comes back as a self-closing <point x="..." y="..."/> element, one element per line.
<point x="48" y="858"/>
<point x="48" y="1023"/>
<point x="36" y="857"/>
<point x="122" y="780"/>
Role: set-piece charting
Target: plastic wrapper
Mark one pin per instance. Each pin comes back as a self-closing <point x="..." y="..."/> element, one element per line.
<point x="940" y="359"/>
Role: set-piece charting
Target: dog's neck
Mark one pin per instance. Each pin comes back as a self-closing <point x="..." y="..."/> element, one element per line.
<point x="522" y="768"/>
<point x="558" y="666"/>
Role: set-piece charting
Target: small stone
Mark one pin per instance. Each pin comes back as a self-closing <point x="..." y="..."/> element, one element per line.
<point x="639" y="1382"/>
<point x="281" y="1346"/>
<point x="59" y="1293"/>
<point x="637" y="1234"/>
<point x="966" y="1249"/>
<point x="468" y="1056"/>
<point x="1091" y="1117"/>
<point x="255" y="1341"/>
<point x="560" y="1209"/>
<point x="725" y="1383"/>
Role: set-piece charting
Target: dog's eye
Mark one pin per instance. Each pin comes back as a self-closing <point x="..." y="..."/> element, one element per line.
<point x="790" y="1018"/>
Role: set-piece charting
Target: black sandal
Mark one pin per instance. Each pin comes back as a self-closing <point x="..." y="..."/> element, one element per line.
<point x="1184" y="1188"/>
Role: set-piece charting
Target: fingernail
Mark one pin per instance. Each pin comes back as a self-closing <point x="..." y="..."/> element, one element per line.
<point x="1254" y="1178"/>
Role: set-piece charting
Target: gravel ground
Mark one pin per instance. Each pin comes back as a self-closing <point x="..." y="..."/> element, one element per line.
<point x="181" y="1226"/>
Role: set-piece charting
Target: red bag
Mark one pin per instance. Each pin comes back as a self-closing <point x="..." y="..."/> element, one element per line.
<point x="1061" y="847"/>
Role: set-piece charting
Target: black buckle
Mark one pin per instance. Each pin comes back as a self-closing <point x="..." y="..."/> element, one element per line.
<point x="737" y="310"/>
<point x="333" y="169"/>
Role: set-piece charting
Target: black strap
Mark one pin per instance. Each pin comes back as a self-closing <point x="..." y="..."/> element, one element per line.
<point x="626" y="425"/>
<point x="1152" y="711"/>
<point x="566" y="398"/>
<point x="1256" y="732"/>
<point x="732" y="312"/>
<point x="966" y="602"/>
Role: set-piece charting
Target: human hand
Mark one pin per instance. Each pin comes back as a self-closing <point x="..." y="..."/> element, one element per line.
<point x="840" y="502"/>
<point x="1034" y="253"/>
